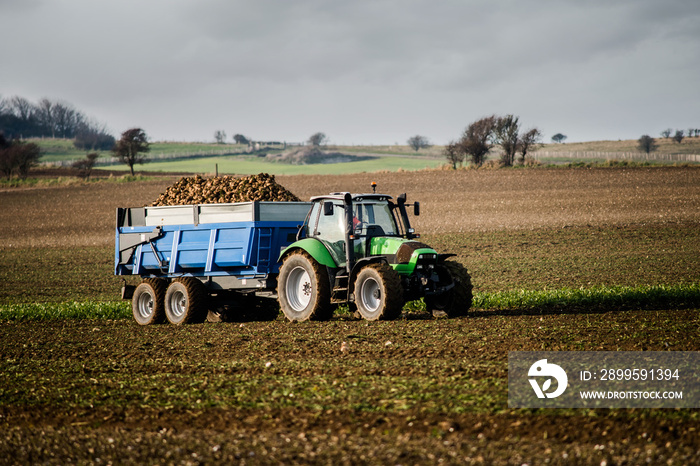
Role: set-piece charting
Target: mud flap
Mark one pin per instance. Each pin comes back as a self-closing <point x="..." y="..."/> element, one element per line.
<point x="128" y="291"/>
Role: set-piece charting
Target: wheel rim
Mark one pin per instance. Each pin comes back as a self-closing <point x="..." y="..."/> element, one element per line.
<point x="144" y="305"/>
<point x="178" y="303"/>
<point x="299" y="289"/>
<point x="371" y="295"/>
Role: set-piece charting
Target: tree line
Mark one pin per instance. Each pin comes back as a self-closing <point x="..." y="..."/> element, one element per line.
<point x="21" y="119"/>
<point x="680" y="134"/>
<point x="479" y="138"/>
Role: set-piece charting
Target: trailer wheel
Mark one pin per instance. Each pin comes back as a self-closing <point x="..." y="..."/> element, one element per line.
<point x="457" y="301"/>
<point x="147" y="304"/>
<point x="303" y="288"/>
<point x="378" y="292"/>
<point x="186" y="301"/>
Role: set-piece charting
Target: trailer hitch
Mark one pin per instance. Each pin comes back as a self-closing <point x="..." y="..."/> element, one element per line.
<point x="440" y="290"/>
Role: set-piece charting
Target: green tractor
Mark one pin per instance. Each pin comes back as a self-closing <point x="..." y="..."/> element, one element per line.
<point x="360" y="250"/>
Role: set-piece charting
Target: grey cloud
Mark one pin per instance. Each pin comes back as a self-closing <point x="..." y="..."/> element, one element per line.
<point x="284" y="67"/>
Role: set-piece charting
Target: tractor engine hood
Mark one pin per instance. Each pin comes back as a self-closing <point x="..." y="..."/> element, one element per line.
<point x="401" y="253"/>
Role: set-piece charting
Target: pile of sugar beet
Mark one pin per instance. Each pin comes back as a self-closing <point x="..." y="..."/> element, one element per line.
<point x="224" y="189"/>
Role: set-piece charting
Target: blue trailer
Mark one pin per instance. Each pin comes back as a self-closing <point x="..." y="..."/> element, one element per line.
<point x="193" y="258"/>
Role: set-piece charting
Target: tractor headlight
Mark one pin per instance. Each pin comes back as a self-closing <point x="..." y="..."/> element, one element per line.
<point x="425" y="261"/>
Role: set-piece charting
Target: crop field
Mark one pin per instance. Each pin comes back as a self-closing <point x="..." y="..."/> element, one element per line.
<point x="561" y="259"/>
<point x="249" y="165"/>
<point x="63" y="149"/>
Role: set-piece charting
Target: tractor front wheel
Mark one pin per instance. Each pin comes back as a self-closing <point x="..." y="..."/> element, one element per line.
<point x="456" y="301"/>
<point x="303" y="288"/>
<point x="378" y="292"/>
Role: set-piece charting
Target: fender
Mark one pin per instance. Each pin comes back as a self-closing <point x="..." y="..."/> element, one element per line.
<point x="314" y="248"/>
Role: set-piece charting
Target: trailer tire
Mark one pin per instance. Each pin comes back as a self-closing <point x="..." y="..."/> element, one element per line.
<point x="186" y="301"/>
<point x="457" y="301"/>
<point x="378" y="292"/>
<point x="303" y="288"/>
<point x="148" y="301"/>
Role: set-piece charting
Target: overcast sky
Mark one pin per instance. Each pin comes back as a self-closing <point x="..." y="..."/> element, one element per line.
<point x="360" y="71"/>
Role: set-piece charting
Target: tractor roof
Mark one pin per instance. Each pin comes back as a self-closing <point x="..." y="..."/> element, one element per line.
<point x="355" y="197"/>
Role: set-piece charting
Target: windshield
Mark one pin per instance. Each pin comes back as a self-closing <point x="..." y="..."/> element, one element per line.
<point x="376" y="213"/>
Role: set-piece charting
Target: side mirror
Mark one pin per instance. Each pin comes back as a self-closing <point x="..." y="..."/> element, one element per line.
<point x="328" y="208"/>
<point x="416" y="208"/>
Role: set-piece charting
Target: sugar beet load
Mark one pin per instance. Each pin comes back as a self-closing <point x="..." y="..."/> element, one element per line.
<point x="219" y="260"/>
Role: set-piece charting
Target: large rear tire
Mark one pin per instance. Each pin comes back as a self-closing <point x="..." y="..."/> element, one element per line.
<point x="378" y="292"/>
<point x="456" y="301"/>
<point x="303" y="288"/>
<point x="147" y="304"/>
<point x="186" y="301"/>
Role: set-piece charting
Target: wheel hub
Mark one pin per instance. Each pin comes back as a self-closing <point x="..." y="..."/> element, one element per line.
<point x="299" y="289"/>
<point x="371" y="295"/>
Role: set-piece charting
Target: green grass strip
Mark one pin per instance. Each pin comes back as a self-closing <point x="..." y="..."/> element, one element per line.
<point x="682" y="296"/>
<point x="69" y="310"/>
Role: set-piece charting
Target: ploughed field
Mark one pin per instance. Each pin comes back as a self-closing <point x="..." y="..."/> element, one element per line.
<point x="415" y="390"/>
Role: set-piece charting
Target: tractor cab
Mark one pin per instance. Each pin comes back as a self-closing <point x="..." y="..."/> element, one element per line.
<point x="372" y="216"/>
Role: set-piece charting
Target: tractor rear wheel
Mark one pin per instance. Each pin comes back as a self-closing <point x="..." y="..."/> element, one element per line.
<point x="303" y="288"/>
<point x="378" y="292"/>
<point x="147" y="303"/>
<point x="456" y="301"/>
<point x="186" y="301"/>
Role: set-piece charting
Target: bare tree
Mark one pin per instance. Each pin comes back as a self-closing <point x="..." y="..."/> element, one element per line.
<point x="505" y="134"/>
<point x="220" y="136"/>
<point x="476" y="141"/>
<point x="45" y="116"/>
<point x="18" y="158"/>
<point x="66" y="119"/>
<point x="318" y="139"/>
<point x="20" y="119"/>
<point x="678" y="137"/>
<point x="666" y="133"/>
<point x="86" y="165"/>
<point x="21" y="108"/>
<point x="28" y="155"/>
<point x="91" y="135"/>
<point x="646" y="144"/>
<point x="418" y="142"/>
<point x="129" y="148"/>
<point x="529" y="140"/>
<point x="454" y="154"/>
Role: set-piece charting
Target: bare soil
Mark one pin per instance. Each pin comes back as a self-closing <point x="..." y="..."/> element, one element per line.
<point x="414" y="391"/>
<point x="451" y="201"/>
<point x="417" y="391"/>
